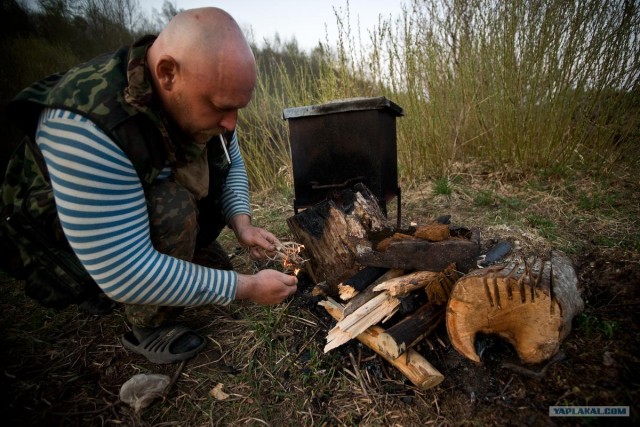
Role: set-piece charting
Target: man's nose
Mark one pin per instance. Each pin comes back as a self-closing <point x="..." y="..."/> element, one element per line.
<point x="229" y="120"/>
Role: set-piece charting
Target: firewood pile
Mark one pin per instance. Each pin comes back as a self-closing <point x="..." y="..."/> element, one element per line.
<point x="391" y="288"/>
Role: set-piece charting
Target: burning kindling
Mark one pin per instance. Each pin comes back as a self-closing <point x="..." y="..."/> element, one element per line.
<point x="288" y="254"/>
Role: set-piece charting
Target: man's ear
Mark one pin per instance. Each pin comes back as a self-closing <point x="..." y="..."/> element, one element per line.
<point x="166" y="70"/>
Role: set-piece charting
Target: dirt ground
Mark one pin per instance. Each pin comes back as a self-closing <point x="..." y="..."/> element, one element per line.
<point x="66" y="368"/>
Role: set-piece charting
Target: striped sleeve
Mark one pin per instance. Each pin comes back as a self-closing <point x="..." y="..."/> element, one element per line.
<point x="235" y="193"/>
<point x="102" y="210"/>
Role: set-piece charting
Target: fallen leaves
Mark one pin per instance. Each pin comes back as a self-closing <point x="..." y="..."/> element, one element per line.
<point x="217" y="392"/>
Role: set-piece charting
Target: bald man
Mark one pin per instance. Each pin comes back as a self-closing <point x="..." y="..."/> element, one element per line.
<point x="129" y="172"/>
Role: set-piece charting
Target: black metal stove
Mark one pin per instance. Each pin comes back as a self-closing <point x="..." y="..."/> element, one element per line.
<point x="341" y="143"/>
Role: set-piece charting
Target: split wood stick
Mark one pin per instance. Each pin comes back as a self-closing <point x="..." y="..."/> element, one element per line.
<point x="411" y="330"/>
<point x="368" y="293"/>
<point x="383" y="306"/>
<point x="403" y="285"/>
<point x="437" y="284"/>
<point x="411" y="363"/>
<point x="346" y="292"/>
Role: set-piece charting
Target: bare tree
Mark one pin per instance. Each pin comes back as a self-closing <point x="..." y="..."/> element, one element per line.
<point x="168" y="11"/>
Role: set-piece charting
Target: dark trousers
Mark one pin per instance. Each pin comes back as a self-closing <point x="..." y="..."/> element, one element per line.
<point x="183" y="228"/>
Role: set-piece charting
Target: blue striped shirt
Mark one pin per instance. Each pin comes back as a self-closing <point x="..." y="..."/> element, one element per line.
<point x="103" y="213"/>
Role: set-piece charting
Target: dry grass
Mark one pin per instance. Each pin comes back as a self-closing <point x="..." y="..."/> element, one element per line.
<point x="66" y="368"/>
<point x="520" y="85"/>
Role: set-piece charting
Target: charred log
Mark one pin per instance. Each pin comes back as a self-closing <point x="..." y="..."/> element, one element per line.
<point x="411" y="330"/>
<point x="334" y="231"/>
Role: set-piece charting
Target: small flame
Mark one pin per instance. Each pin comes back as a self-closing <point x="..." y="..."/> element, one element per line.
<point x="289" y="254"/>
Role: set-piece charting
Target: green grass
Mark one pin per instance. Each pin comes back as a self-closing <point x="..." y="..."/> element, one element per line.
<point x="511" y="202"/>
<point x="518" y="86"/>
<point x="596" y="200"/>
<point x="590" y="325"/>
<point x="484" y="198"/>
<point x="607" y="241"/>
<point x="546" y="226"/>
<point x="442" y="187"/>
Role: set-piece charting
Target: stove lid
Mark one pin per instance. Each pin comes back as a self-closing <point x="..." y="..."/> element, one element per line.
<point x="342" y="106"/>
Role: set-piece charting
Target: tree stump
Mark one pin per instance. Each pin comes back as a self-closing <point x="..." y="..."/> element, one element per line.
<point x="530" y="304"/>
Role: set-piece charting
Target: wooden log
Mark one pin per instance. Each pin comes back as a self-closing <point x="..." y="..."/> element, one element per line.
<point x="438" y="291"/>
<point x="529" y="304"/>
<point x="437" y="231"/>
<point x="420" y="254"/>
<point x="434" y="232"/>
<point x="411" y="330"/>
<point x="333" y="232"/>
<point x="411" y="363"/>
<point x="384" y="302"/>
<point x="403" y="285"/>
<point x="409" y="304"/>
<point x="384" y="244"/>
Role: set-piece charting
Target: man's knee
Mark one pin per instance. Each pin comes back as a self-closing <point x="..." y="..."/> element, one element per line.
<point x="213" y="256"/>
<point x="173" y="218"/>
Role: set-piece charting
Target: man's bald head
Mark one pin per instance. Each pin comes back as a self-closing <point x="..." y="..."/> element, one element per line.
<point x="202" y="56"/>
<point x="202" y="36"/>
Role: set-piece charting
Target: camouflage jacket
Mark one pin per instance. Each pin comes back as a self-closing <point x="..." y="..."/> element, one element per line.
<point x="115" y="92"/>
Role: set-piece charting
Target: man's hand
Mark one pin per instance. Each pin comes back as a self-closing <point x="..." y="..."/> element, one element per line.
<point x="267" y="287"/>
<point x="260" y="242"/>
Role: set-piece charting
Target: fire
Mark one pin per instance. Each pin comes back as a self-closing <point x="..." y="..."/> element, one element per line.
<point x="289" y="254"/>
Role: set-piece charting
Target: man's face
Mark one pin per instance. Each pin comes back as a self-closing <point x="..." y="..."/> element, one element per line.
<point x="204" y="106"/>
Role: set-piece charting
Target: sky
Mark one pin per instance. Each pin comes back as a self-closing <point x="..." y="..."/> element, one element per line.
<point x="309" y="21"/>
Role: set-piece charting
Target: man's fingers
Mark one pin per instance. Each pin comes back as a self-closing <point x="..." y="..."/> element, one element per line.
<point x="257" y="253"/>
<point x="272" y="241"/>
<point x="272" y="244"/>
<point x="293" y="282"/>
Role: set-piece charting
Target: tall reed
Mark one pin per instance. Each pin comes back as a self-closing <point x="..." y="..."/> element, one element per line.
<point x="517" y="85"/>
<point x="521" y="85"/>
